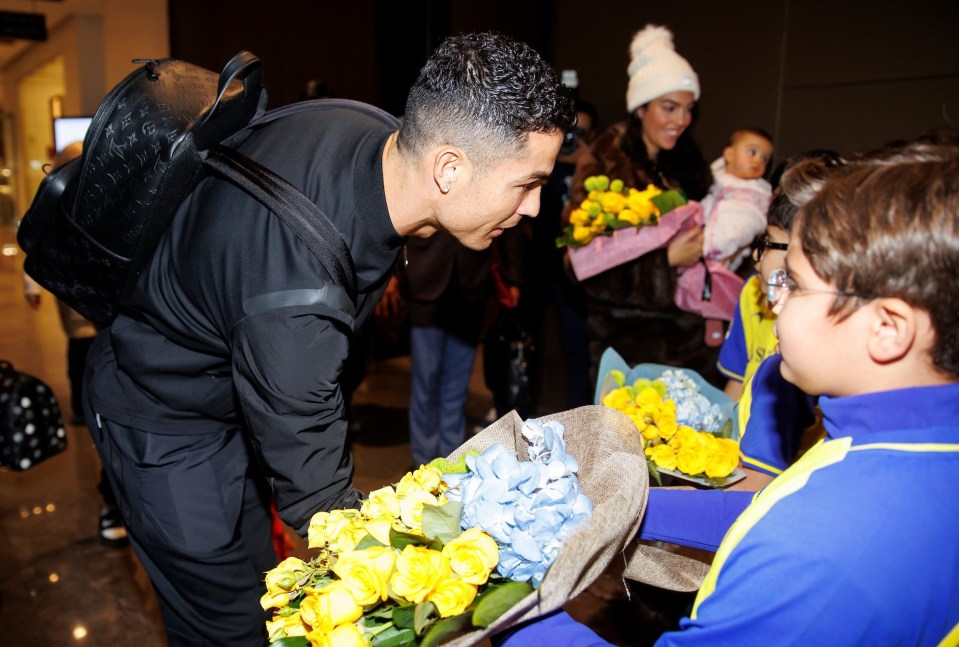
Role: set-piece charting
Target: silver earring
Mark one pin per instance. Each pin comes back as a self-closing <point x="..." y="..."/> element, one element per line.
<point x="446" y="188"/>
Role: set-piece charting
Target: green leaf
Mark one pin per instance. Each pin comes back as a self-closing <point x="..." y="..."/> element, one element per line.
<point x="403" y="617"/>
<point x="368" y="541"/>
<point x="444" y="629"/>
<point x="401" y="540"/>
<point x="442" y="523"/>
<point x="423" y="615"/>
<point x="668" y="200"/>
<point x="394" y="637"/>
<point x="292" y="641"/>
<point x="654" y="473"/>
<point x="498" y="600"/>
<point x="727" y="429"/>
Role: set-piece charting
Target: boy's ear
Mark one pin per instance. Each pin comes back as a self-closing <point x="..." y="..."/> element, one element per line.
<point x="894" y="330"/>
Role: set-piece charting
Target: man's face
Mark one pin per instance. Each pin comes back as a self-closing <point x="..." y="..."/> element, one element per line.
<point x="479" y="209"/>
<point x="748" y="157"/>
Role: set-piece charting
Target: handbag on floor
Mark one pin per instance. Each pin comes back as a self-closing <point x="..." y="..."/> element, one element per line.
<point x="31" y="427"/>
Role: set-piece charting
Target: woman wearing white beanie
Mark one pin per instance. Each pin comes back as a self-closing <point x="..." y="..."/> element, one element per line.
<point x="631" y="306"/>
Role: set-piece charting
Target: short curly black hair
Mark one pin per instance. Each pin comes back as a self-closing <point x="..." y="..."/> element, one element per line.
<point x="485" y="93"/>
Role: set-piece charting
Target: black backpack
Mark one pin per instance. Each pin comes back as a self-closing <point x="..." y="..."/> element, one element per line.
<point x="95" y="222"/>
<point x="31" y="427"/>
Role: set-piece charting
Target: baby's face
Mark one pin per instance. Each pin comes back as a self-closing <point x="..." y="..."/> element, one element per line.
<point x="748" y="156"/>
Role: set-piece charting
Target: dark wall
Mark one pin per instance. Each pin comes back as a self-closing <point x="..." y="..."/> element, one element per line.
<point x="849" y="74"/>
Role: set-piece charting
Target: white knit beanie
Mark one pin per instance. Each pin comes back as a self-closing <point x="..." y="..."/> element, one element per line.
<point x="656" y="69"/>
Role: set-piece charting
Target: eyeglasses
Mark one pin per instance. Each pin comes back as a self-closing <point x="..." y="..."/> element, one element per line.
<point x="780" y="286"/>
<point x="764" y="243"/>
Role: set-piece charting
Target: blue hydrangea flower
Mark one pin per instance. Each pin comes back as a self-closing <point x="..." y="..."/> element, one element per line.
<point x="692" y="407"/>
<point x="528" y="507"/>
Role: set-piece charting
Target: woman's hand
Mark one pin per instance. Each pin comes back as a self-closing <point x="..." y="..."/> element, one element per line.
<point x="686" y="249"/>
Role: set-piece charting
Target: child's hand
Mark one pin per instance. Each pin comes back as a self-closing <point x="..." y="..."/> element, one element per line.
<point x="686" y="248"/>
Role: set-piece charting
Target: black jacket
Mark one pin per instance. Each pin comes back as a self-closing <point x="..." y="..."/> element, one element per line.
<point x="235" y="324"/>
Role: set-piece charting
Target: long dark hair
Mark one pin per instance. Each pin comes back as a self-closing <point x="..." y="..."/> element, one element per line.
<point x="684" y="164"/>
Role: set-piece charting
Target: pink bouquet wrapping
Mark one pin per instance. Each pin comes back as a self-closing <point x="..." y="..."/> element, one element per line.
<point x="606" y="252"/>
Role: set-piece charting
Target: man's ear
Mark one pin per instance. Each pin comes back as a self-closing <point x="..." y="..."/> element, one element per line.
<point x="448" y="163"/>
<point x="894" y="330"/>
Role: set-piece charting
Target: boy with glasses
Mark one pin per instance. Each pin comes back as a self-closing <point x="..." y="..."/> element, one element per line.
<point x="870" y="323"/>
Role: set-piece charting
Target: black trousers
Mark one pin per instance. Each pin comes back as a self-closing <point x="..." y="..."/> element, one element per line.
<point x="198" y="518"/>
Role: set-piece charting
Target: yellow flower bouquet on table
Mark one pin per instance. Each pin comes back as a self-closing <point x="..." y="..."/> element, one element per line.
<point x="508" y="528"/>
<point x="686" y="424"/>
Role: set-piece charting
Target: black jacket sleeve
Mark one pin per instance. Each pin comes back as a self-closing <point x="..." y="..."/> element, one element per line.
<point x="286" y="365"/>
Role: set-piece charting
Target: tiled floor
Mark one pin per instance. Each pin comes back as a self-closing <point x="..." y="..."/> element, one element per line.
<point x="59" y="585"/>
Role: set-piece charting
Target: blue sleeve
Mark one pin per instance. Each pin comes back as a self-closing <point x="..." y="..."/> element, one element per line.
<point x="694" y="518"/>
<point x="732" y="355"/>
<point x="777" y="416"/>
<point x="557" y="630"/>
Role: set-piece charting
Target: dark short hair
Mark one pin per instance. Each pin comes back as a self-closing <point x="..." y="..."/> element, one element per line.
<point x="887" y="226"/>
<point x="485" y="93"/>
<point x="749" y="130"/>
<point x="802" y="178"/>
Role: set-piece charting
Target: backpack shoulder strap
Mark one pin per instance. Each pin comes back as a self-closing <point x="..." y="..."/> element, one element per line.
<point x="307" y="106"/>
<point x="297" y="211"/>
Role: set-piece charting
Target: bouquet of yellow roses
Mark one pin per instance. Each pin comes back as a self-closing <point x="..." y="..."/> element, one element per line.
<point x="452" y="545"/>
<point x="510" y="527"/>
<point x="686" y="425"/>
<point x="611" y="205"/>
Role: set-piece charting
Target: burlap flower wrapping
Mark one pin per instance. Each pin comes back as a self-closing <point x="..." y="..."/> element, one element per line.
<point x="613" y="473"/>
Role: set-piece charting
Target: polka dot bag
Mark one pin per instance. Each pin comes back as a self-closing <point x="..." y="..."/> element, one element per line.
<point x="31" y="427"/>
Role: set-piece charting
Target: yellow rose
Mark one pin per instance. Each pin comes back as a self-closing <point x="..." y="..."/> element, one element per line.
<point x="379" y="528"/>
<point x="340" y="530"/>
<point x="329" y="607"/>
<point x="691" y="459"/>
<point x="451" y="596"/>
<point x="724" y="458"/>
<point x="651" y="431"/>
<point x="649" y="397"/>
<point x="281" y="580"/>
<point x="617" y="399"/>
<point x="366" y="573"/>
<point x="663" y="456"/>
<point x="666" y="422"/>
<point x="381" y="503"/>
<point x="613" y="202"/>
<point x="473" y="556"/>
<point x="348" y="635"/>
<point x="418" y="569"/>
<point x="429" y="478"/>
<point x="411" y="508"/>
<point x="285" y="626"/>
<point x="630" y="216"/>
<point x="639" y="419"/>
<point x="578" y="217"/>
<point x="684" y="436"/>
<point x="582" y="234"/>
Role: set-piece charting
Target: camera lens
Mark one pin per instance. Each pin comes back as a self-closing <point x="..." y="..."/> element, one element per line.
<point x="570" y="142"/>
